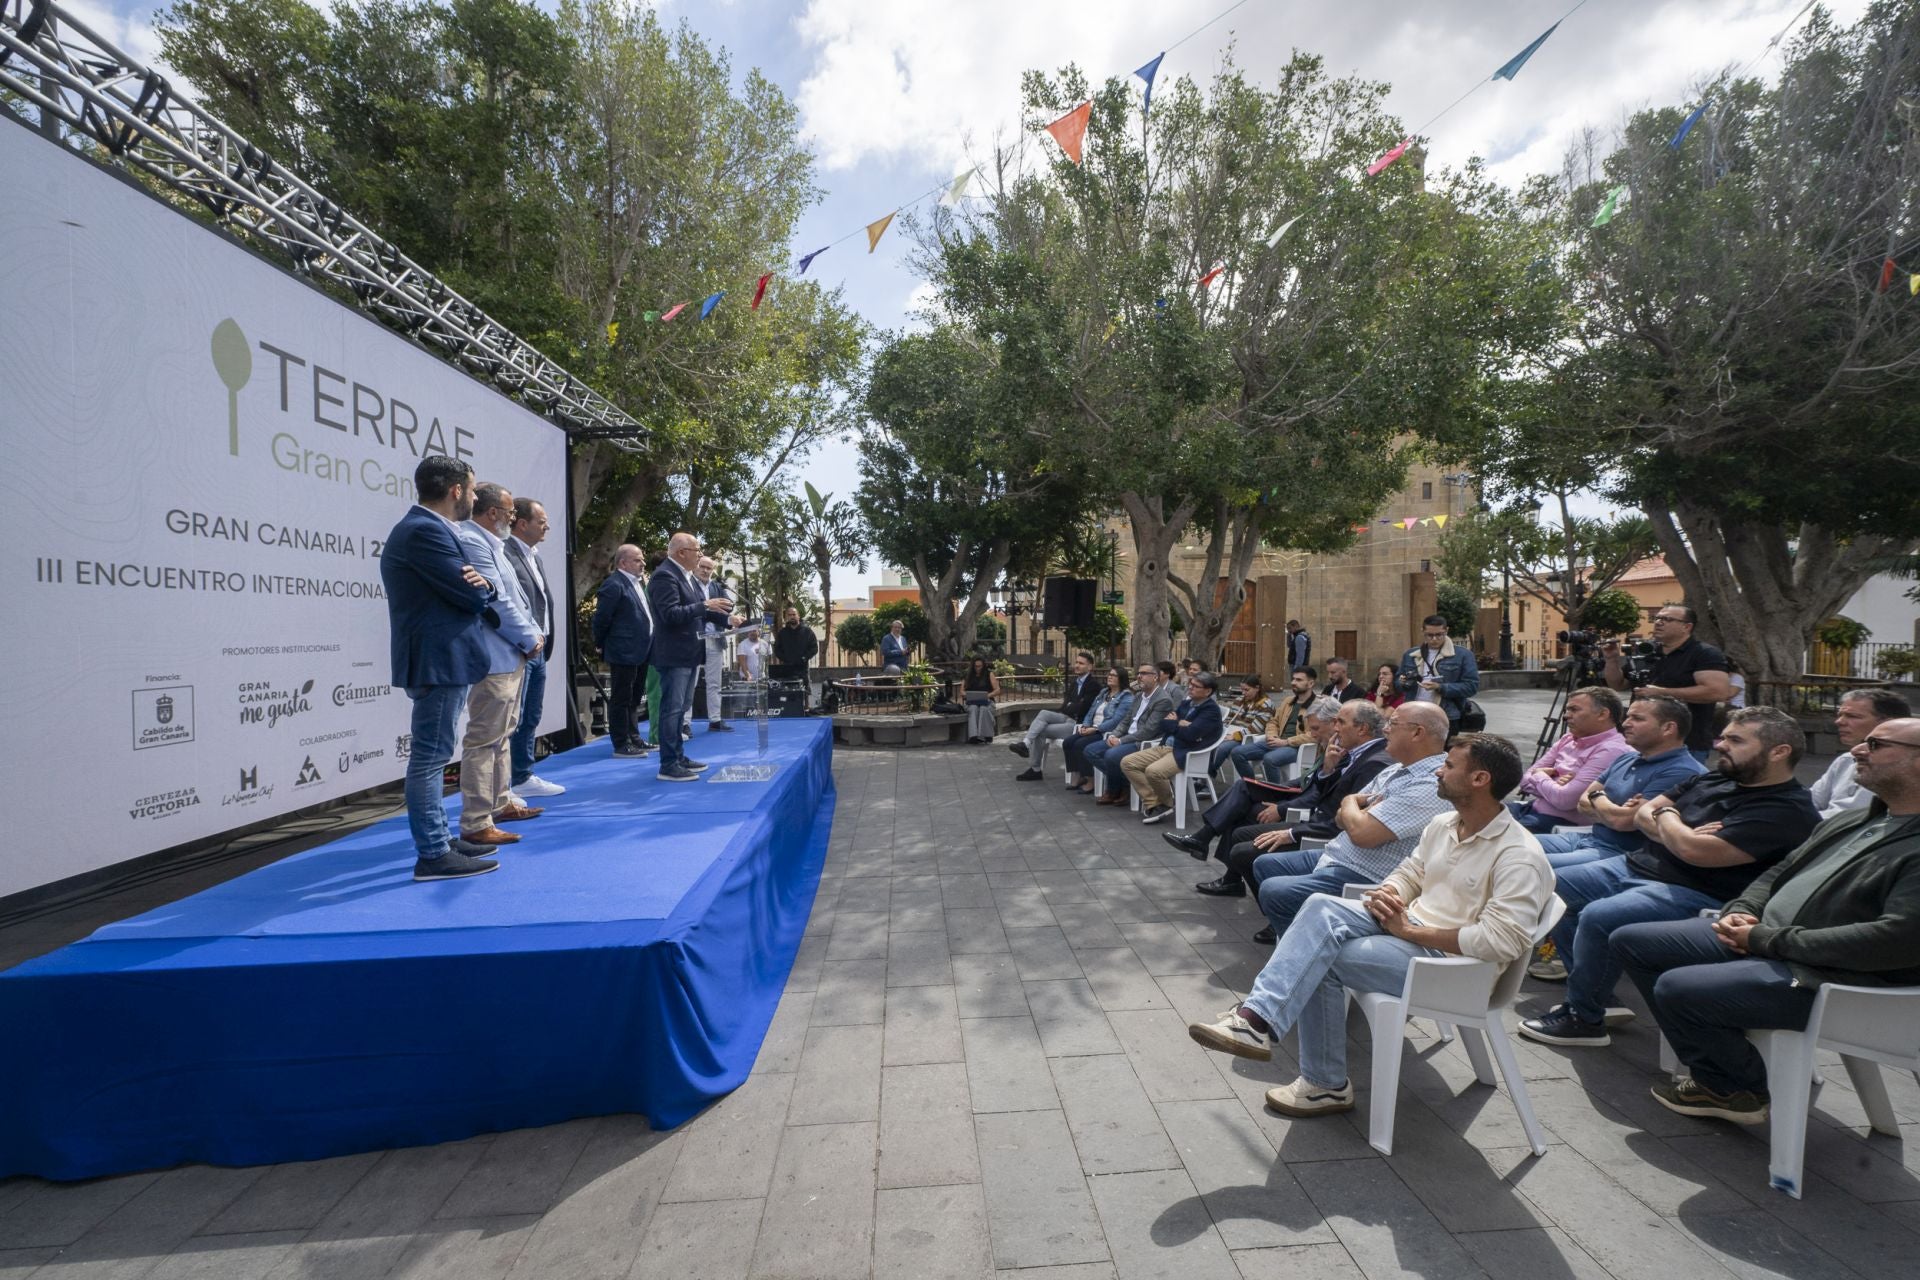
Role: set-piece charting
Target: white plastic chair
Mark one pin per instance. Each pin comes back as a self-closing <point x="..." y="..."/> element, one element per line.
<point x="1304" y="762"/>
<point x="1197" y="773"/>
<point x="1445" y="1030"/>
<point x="1461" y="992"/>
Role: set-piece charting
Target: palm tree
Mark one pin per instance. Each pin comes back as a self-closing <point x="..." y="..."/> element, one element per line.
<point x="834" y="532"/>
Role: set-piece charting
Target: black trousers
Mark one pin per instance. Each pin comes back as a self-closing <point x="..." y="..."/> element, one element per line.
<point x="1706" y="998"/>
<point x="627" y="691"/>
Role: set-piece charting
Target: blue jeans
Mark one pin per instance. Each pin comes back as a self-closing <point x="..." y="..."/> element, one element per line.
<point x="1290" y="878"/>
<point x="1107" y="760"/>
<point x="533" y="696"/>
<point x="1255" y="759"/>
<point x="1532" y="819"/>
<point x="1554" y="846"/>
<point x="1601" y="897"/>
<point x="676" y="700"/>
<point x="1331" y="950"/>
<point x="436" y="710"/>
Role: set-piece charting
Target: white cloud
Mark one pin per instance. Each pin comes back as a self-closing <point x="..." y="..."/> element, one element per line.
<point x="131" y="31"/>
<point x="920" y="81"/>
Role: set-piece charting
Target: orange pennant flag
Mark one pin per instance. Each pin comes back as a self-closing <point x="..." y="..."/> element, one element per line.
<point x="1070" y="130"/>
<point x="877" y="229"/>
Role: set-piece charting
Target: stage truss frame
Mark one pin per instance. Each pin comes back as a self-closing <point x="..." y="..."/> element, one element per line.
<point x="73" y="76"/>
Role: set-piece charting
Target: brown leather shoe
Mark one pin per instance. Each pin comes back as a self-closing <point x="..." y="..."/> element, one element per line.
<point x="1113" y="797"/>
<point x="517" y="813"/>
<point x="490" y="835"/>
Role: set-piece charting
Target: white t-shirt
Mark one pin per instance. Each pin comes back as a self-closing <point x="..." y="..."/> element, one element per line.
<point x="750" y="652"/>
<point x="1423" y="666"/>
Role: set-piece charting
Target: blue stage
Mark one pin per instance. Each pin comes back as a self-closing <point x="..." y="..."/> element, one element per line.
<point x="626" y="957"/>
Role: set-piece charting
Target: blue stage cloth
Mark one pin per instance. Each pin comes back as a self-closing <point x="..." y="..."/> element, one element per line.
<point x="626" y="957"/>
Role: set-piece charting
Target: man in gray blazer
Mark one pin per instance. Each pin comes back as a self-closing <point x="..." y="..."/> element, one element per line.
<point x="493" y="705"/>
<point x="1153" y="702"/>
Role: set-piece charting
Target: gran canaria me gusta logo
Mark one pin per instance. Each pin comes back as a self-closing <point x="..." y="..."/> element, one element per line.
<point x="233" y="361"/>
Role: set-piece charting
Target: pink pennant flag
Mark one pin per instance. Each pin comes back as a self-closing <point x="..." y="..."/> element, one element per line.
<point x="1408" y="523"/>
<point x="1390" y="157"/>
<point x="668" y="315"/>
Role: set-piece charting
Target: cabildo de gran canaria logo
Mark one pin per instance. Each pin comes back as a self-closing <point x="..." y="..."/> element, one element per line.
<point x="312" y="395"/>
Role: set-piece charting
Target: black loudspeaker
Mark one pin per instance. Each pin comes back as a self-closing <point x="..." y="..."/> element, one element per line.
<point x="1068" y="602"/>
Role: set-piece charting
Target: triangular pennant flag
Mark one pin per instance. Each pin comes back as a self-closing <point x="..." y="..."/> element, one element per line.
<point x="1111" y="326"/>
<point x="1390" y="157"/>
<point x="649" y="316"/>
<point x="1686" y="126"/>
<point x="1070" y="130"/>
<point x="1440" y="522"/>
<point x="1408" y="523"/>
<point x="957" y="189"/>
<point x="1208" y="278"/>
<point x="1361" y="528"/>
<point x="1519" y="60"/>
<point x="1886" y="276"/>
<point x="1913" y="284"/>
<point x="808" y="260"/>
<point x="1611" y="205"/>
<point x="1274" y="239"/>
<point x="665" y="316"/>
<point x="713" y="300"/>
<point x="876" y="229"/>
<point x="760" y="291"/>
<point x="1147" y="73"/>
<point x="613" y="333"/>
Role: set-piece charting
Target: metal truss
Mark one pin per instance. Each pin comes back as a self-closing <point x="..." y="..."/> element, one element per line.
<point x="75" y="77"/>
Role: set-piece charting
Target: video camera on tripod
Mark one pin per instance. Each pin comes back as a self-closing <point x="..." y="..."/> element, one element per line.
<point x="1636" y="657"/>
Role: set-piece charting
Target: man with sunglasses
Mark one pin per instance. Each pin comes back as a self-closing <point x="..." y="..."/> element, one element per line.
<point x="1844" y="907"/>
<point x="1686" y="669"/>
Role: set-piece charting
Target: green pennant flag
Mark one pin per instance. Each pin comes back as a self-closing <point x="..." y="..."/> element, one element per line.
<point x="1611" y="205"/>
<point x="650" y="317"/>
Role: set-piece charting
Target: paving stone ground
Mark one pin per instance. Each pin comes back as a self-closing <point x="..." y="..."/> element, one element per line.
<point x="980" y="1068"/>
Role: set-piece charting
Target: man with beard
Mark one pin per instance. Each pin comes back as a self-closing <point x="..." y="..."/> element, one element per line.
<point x="1707" y="839"/>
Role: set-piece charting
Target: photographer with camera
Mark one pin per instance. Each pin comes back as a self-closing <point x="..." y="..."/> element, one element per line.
<point x="1682" y="668"/>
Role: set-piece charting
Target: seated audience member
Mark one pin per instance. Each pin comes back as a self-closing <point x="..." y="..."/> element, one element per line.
<point x="1378" y="826"/>
<point x="1861" y="711"/>
<point x="1153" y="770"/>
<point x="981" y="689"/>
<point x="1385" y="692"/>
<point x="1152" y="702"/>
<point x="1255" y="830"/>
<point x="1551" y="790"/>
<point x="1656" y="730"/>
<point x="1844" y="907"/>
<point x="1475" y="885"/>
<point x="1707" y="839"/>
<point x="1340" y="685"/>
<point x="1080" y="688"/>
<point x="1232" y="810"/>
<point x="1249" y="712"/>
<point x="1112" y="709"/>
<point x="1266" y="755"/>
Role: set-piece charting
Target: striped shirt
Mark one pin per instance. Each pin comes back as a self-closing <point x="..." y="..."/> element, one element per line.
<point x="1408" y="799"/>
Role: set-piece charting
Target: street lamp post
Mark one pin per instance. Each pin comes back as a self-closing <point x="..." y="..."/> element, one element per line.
<point x="1506" y="615"/>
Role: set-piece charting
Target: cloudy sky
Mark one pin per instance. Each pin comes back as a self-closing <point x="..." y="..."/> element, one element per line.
<point x="896" y="94"/>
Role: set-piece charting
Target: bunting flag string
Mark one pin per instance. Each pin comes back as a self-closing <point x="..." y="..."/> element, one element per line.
<point x="666" y="317"/>
<point x="1070" y="130"/>
<point x="1686" y="126"/>
<point x="1147" y="73"/>
<point x="1274" y="239"/>
<point x="760" y="291"/>
<point x="876" y="229"/>
<point x="1212" y="275"/>
<point x="957" y="189"/>
<point x="648" y="317"/>
<point x="1611" y="205"/>
<point x="1374" y="169"/>
<point x="1913" y="284"/>
<point x="613" y="332"/>
<point x="808" y="260"/>
<point x="713" y="300"/>
<point x="1887" y="269"/>
<point x="1511" y="67"/>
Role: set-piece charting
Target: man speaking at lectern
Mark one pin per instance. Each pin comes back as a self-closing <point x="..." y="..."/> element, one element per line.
<point x="680" y="606"/>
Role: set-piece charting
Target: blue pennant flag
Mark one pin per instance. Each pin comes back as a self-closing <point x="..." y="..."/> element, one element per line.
<point x="1686" y="126"/>
<point x="706" y="308"/>
<point x="808" y="260"/>
<point x="1519" y="59"/>
<point x="1147" y="73"/>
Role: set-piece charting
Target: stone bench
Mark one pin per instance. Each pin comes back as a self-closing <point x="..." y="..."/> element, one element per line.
<point x="925" y="729"/>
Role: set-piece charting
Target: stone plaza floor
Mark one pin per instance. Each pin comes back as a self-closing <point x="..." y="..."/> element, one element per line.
<point x="981" y="1067"/>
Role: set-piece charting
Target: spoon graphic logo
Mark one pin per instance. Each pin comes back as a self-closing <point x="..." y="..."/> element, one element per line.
<point x="233" y="361"/>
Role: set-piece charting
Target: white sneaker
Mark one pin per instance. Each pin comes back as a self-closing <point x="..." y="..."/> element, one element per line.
<point x="538" y="786"/>
<point x="1233" y="1034"/>
<point x="1303" y="1099"/>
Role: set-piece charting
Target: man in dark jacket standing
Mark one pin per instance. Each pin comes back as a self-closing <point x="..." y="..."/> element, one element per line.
<point x="794" y="646"/>
<point x="680" y="607"/>
<point x="1844" y="907"/>
<point x="623" y="631"/>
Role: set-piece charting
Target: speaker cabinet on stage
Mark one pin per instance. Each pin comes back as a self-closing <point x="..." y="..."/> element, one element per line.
<point x="1068" y="602"/>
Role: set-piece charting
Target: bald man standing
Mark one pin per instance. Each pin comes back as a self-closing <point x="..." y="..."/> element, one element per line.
<point x="680" y="608"/>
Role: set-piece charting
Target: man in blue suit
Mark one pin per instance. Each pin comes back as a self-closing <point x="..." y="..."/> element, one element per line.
<point x="680" y="605"/>
<point x="435" y="603"/>
<point x="623" y="632"/>
<point x="493" y="704"/>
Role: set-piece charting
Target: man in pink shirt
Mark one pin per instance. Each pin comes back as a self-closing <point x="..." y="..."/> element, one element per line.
<point x="1550" y="792"/>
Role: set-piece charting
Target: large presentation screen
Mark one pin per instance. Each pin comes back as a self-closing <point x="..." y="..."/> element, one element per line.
<point x="202" y="457"/>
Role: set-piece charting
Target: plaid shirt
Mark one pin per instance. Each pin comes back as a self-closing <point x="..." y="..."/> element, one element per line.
<point x="1408" y="801"/>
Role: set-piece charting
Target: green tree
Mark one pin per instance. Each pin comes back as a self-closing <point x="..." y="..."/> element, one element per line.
<point x="1612" y="612"/>
<point x="857" y="636"/>
<point x="833" y="533"/>
<point x="1562" y="566"/>
<point x="1106" y="634"/>
<point x="1462" y="611"/>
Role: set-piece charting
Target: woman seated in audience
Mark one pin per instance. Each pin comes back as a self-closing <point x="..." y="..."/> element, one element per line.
<point x="980" y="689"/>
<point x="1250" y="711"/>
<point x="1108" y="714"/>
<point x="1383" y="694"/>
